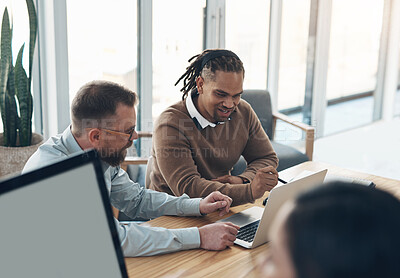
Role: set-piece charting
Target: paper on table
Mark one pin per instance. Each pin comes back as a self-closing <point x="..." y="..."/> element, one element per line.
<point x="330" y="177"/>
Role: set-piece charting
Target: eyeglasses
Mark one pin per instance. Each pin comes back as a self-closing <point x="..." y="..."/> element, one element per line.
<point x="129" y="134"/>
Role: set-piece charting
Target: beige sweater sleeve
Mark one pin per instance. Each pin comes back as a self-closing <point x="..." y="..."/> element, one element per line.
<point x="176" y="165"/>
<point x="258" y="152"/>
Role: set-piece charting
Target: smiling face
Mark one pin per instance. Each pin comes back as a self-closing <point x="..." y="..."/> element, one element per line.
<point x="219" y="96"/>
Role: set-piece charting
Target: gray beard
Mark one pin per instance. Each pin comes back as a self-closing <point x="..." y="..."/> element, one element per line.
<point x="112" y="157"/>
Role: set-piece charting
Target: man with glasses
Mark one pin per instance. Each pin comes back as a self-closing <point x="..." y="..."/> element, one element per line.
<point x="104" y="118"/>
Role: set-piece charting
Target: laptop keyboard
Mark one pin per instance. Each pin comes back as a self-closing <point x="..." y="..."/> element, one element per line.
<point x="248" y="232"/>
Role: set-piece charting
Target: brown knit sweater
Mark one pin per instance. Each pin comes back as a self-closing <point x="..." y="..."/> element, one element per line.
<point x="186" y="158"/>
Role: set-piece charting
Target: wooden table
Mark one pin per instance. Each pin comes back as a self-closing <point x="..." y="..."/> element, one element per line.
<point x="234" y="261"/>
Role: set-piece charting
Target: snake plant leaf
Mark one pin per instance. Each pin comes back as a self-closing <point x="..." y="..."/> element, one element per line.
<point x="5" y="63"/>
<point x="11" y="110"/>
<point x="5" y="58"/>
<point x="25" y="101"/>
<point x="32" y="34"/>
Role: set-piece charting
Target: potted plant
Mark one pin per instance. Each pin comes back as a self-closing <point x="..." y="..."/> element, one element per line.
<point x="17" y="141"/>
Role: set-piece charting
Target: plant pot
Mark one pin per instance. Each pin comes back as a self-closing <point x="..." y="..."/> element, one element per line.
<point x="13" y="159"/>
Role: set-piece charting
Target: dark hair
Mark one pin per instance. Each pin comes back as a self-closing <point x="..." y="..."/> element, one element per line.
<point x="97" y="100"/>
<point x="345" y="230"/>
<point x="205" y="64"/>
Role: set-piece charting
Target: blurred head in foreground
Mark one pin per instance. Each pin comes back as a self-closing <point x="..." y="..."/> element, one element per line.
<point x="336" y="230"/>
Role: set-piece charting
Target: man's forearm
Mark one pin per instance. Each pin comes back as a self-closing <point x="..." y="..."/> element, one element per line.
<point x="147" y="241"/>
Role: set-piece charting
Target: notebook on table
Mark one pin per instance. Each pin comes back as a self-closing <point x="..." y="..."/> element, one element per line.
<point x="57" y="222"/>
<point x="255" y="222"/>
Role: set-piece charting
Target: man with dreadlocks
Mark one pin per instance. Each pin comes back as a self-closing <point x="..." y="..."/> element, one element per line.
<point x="197" y="141"/>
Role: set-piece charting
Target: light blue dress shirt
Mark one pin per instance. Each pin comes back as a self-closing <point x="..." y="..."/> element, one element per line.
<point x="135" y="201"/>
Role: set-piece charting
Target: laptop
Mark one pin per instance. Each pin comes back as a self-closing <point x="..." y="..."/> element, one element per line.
<point x="57" y="221"/>
<point x="254" y="222"/>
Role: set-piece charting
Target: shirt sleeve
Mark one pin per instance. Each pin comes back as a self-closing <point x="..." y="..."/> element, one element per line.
<point x="135" y="201"/>
<point x="138" y="240"/>
<point x="256" y="156"/>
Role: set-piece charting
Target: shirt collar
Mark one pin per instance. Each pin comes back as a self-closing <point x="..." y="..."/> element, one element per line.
<point x="72" y="145"/>
<point x="69" y="141"/>
<point x="199" y="120"/>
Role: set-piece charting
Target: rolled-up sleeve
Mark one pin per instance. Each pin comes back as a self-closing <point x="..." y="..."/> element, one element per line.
<point x="138" y="240"/>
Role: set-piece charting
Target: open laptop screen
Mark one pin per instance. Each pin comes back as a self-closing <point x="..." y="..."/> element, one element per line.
<point x="57" y="222"/>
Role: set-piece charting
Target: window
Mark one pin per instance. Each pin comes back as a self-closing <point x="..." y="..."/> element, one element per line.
<point x="247" y="29"/>
<point x="353" y="61"/>
<point x="293" y="53"/>
<point x="397" y="97"/>
<point x="177" y="36"/>
<point x="102" y="42"/>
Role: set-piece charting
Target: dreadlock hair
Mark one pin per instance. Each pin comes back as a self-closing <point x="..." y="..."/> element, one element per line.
<point x="205" y="65"/>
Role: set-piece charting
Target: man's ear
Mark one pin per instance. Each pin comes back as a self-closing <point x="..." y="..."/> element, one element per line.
<point x="200" y="84"/>
<point x="94" y="137"/>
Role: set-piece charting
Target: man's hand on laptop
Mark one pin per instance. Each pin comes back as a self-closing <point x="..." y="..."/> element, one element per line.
<point x="266" y="178"/>
<point x="215" y="201"/>
<point x="217" y="236"/>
